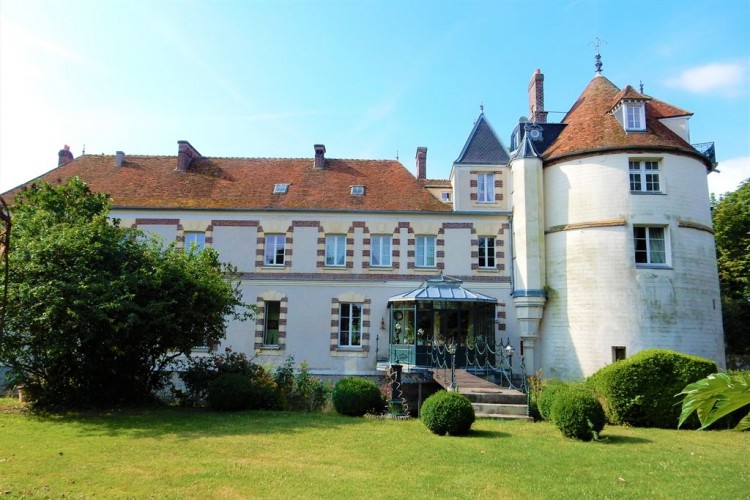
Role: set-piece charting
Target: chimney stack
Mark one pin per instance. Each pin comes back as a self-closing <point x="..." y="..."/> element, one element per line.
<point x="536" y="98"/>
<point x="186" y="153"/>
<point x="119" y="158"/>
<point x="421" y="162"/>
<point x="320" y="157"/>
<point x="64" y="156"/>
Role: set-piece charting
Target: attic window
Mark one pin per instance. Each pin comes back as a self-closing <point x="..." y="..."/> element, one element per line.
<point x="358" y="190"/>
<point x="280" y="188"/>
<point x="445" y="196"/>
<point x="635" y="118"/>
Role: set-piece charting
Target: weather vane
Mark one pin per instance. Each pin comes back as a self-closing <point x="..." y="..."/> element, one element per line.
<point x="598" y="58"/>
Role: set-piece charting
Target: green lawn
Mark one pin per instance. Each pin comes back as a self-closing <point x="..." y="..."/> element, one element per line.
<point x="190" y="453"/>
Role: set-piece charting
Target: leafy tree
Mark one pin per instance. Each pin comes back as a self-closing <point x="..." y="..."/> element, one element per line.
<point x="97" y="313"/>
<point x="716" y="396"/>
<point x="731" y="220"/>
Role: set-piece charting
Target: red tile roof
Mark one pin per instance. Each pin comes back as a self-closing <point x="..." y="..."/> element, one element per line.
<point x="592" y="129"/>
<point x="247" y="183"/>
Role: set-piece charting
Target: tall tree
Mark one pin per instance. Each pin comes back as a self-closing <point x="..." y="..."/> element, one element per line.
<point x="96" y="313"/>
<point x="731" y="220"/>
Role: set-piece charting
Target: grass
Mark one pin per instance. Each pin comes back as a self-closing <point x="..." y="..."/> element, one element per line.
<point x="178" y="453"/>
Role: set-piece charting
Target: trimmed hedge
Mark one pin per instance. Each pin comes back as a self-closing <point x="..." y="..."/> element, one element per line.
<point x="640" y="390"/>
<point x="577" y="413"/>
<point x="448" y="413"/>
<point x="356" y="396"/>
<point x="550" y="391"/>
<point x="236" y="391"/>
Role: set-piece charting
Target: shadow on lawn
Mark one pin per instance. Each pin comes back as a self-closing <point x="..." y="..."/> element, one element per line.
<point x="487" y="434"/>
<point x="191" y="423"/>
<point x="615" y="439"/>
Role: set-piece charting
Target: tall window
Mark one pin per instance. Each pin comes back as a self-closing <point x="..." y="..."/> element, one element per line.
<point x="644" y="176"/>
<point x="486" y="188"/>
<point x="335" y="250"/>
<point x="486" y="252"/>
<point x="350" y="325"/>
<point x="271" y="322"/>
<point x="425" y="251"/>
<point x="635" y="116"/>
<point x="650" y="245"/>
<point x="194" y="240"/>
<point x="274" y="250"/>
<point x="380" y="250"/>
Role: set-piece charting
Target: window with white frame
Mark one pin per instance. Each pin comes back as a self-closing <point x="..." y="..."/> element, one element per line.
<point x="274" y="255"/>
<point x="350" y="325"/>
<point x="650" y="245"/>
<point x="280" y="188"/>
<point x="445" y="196"/>
<point x="425" y="255"/>
<point x="486" y="252"/>
<point x="635" y="116"/>
<point x="335" y="250"/>
<point x="486" y="188"/>
<point x="272" y="313"/>
<point x="194" y="241"/>
<point x="644" y="176"/>
<point x="380" y="250"/>
<point x="358" y="190"/>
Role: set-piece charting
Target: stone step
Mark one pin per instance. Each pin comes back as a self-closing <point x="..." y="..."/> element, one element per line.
<point x="495" y="397"/>
<point x="494" y="416"/>
<point x="500" y="409"/>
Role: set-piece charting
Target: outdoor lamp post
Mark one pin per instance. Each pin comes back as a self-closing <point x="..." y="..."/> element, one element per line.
<point x="509" y="351"/>
<point x="452" y="351"/>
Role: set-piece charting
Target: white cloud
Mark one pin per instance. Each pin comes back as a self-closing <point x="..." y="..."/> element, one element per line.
<point x="728" y="79"/>
<point x="731" y="173"/>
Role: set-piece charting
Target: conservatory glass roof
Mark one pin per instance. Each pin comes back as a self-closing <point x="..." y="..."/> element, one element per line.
<point x="442" y="288"/>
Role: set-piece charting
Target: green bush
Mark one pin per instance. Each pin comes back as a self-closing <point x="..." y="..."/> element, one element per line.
<point x="300" y="391"/>
<point x="356" y="396"/>
<point x="550" y="389"/>
<point x="230" y="392"/>
<point x="640" y="390"/>
<point x="577" y="413"/>
<point x="448" y="413"/>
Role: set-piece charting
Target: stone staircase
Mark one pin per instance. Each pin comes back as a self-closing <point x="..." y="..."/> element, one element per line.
<point x="489" y="400"/>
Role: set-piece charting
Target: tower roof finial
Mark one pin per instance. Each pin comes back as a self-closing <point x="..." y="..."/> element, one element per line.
<point x="481" y="107"/>
<point x="598" y="57"/>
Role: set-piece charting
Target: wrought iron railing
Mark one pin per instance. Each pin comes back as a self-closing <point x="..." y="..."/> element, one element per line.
<point x="707" y="149"/>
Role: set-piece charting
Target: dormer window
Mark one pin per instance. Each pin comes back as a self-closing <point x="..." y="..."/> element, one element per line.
<point x="445" y="196"/>
<point x="358" y="190"/>
<point x="635" y="116"/>
<point x="280" y="188"/>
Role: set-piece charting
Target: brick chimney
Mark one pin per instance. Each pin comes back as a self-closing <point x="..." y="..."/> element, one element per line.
<point x="536" y="98"/>
<point x="64" y="156"/>
<point x="186" y="153"/>
<point x="320" y="157"/>
<point x="421" y="162"/>
<point x="119" y="158"/>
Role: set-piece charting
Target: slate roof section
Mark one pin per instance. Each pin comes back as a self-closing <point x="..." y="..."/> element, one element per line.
<point x="592" y="129"/>
<point x="525" y="149"/>
<point x="483" y="146"/>
<point x="247" y="183"/>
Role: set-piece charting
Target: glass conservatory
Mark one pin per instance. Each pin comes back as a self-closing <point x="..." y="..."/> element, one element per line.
<point x="439" y="313"/>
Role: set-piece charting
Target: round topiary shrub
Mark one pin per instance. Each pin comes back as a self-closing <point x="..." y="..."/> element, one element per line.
<point x="448" y="413"/>
<point x="230" y="392"/>
<point x="551" y="389"/>
<point x="640" y="390"/>
<point x="356" y="396"/>
<point x="578" y="414"/>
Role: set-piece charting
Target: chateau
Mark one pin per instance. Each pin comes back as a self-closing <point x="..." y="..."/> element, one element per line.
<point x="579" y="242"/>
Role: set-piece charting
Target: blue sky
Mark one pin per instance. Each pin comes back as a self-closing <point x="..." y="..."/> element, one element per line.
<point x="367" y="79"/>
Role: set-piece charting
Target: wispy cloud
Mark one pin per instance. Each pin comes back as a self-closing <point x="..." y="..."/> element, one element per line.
<point x="14" y="35"/>
<point x="731" y="173"/>
<point x="728" y="79"/>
